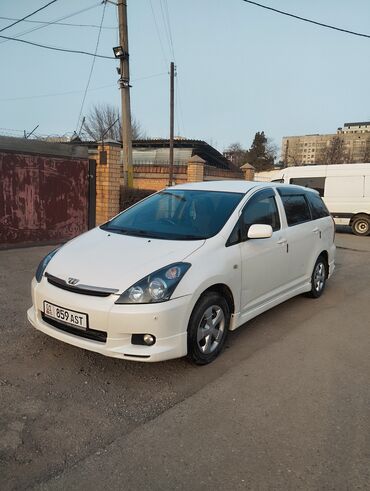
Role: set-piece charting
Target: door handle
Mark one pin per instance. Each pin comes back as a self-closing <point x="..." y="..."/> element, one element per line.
<point x="282" y="241"/>
<point x="317" y="231"/>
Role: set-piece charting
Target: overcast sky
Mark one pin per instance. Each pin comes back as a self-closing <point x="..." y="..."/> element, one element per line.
<point x="241" y="69"/>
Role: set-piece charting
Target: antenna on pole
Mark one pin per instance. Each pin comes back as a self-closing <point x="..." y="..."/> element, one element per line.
<point x="31" y="132"/>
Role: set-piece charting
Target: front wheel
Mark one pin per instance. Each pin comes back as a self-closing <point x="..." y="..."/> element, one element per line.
<point x="208" y="328"/>
<point x="361" y="225"/>
<point x="318" y="278"/>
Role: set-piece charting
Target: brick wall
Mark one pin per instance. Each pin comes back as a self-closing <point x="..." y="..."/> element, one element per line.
<point x="107" y="183"/>
<point x="157" y="176"/>
<point x="214" y="174"/>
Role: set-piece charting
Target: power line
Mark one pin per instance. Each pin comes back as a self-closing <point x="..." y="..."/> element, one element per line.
<point x="70" y="92"/>
<point x="158" y="34"/>
<point x="45" y="24"/>
<point x="179" y="112"/>
<point x="54" y="94"/>
<point x="307" y="20"/>
<point x="92" y="67"/>
<point x="27" y="16"/>
<point x="62" y="23"/>
<point x="57" y="49"/>
<point x="167" y="30"/>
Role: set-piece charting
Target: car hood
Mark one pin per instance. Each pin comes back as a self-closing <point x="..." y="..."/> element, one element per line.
<point x="110" y="260"/>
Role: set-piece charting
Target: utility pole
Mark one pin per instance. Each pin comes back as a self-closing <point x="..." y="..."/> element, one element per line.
<point x="172" y="119"/>
<point x="124" y="82"/>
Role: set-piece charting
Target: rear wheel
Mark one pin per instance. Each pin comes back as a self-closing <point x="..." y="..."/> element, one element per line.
<point x="318" y="278"/>
<point x="208" y="328"/>
<point x="361" y="225"/>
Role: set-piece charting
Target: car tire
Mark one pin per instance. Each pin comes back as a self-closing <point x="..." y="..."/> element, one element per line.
<point x="208" y="328"/>
<point x="361" y="225"/>
<point x="318" y="278"/>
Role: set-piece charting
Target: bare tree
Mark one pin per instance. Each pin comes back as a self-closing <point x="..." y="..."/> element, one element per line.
<point x="104" y="122"/>
<point x="236" y="153"/>
<point x="271" y="149"/>
<point x="335" y="152"/>
<point x="294" y="158"/>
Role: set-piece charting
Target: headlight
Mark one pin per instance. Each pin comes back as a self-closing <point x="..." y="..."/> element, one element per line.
<point x="42" y="266"/>
<point x="156" y="287"/>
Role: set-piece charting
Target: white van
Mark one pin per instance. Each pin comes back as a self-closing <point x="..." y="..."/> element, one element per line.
<point x="345" y="189"/>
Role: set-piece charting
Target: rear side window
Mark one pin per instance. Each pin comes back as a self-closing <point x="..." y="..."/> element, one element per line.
<point x="296" y="209"/>
<point x="318" y="208"/>
<point x="316" y="183"/>
<point x="262" y="209"/>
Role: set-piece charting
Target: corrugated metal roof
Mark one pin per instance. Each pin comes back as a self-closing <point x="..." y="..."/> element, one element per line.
<point x="195" y="147"/>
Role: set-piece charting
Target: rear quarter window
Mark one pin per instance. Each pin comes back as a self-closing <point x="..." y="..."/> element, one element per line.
<point x="318" y="208"/>
<point x="296" y="209"/>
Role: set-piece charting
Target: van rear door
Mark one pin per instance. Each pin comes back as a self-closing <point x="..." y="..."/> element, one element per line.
<point x="367" y="187"/>
<point x="344" y="196"/>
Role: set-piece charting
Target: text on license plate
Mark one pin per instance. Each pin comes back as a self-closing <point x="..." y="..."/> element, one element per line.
<point x="70" y="317"/>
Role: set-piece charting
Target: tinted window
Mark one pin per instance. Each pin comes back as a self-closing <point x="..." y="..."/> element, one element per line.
<point x="261" y="209"/>
<point x="316" y="183"/>
<point x="177" y="214"/>
<point x="318" y="208"/>
<point x="296" y="209"/>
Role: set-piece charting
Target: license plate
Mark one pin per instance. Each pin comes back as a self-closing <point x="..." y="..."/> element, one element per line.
<point x="66" y="316"/>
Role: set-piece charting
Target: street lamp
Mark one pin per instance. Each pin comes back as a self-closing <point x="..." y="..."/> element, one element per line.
<point x="120" y="53"/>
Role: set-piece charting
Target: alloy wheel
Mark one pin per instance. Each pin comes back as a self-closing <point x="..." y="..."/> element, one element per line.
<point x="319" y="277"/>
<point x="211" y="329"/>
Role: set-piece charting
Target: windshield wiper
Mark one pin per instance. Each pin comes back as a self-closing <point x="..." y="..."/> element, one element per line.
<point x="118" y="230"/>
<point x="190" y="237"/>
<point x="141" y="233"/>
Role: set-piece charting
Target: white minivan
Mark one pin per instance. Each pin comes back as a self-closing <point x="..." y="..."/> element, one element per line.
<point x="171" y="275"/>
<point x="345" y="188"/>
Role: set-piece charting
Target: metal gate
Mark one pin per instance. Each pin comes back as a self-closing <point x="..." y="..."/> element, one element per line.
<point x="47" y="192"/>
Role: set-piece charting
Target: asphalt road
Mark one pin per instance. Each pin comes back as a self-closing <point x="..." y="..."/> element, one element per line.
<point x="285" y="407"/>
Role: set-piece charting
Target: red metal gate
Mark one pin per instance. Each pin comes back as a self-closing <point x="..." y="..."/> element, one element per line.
<point x="43" y="198"/>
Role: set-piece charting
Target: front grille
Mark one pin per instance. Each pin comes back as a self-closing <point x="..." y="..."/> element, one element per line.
<point x="92" y="334"/>
<point x="94" y="291"/>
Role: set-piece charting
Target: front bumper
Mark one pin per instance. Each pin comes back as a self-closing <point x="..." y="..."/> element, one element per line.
<point x="167" y="321"/>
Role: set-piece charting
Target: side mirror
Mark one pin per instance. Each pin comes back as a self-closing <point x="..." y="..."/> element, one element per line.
<point x="259" y="231"/>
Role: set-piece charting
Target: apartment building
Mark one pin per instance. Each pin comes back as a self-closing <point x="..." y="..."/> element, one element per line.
<point x="309" y="149"/>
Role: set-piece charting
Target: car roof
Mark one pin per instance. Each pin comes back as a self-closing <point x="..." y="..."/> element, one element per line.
<point x="231" y="186"/>
<point x="234" y="186"/>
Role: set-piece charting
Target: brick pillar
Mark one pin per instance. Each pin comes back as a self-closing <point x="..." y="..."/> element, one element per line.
<point x="248" y="171"/>
<point x="196" y="169"/>
<point x="107" y="183"/>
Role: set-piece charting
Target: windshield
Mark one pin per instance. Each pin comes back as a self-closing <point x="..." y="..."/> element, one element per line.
<point x="177" y="215"/>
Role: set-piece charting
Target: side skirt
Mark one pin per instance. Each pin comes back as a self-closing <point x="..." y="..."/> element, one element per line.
<point x="240" y="319"/>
